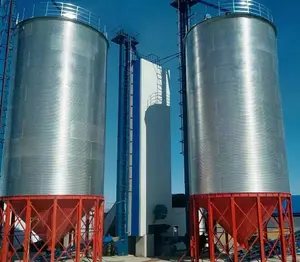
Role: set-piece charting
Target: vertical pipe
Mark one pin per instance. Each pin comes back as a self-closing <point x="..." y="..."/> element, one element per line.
<point x="47" y="9"/>
<point x="234" y="228"/>
<point x="27" y="233"/>
<point x="195" y="222"/>
<point x="127" y="116"/>
<point x="78" y="230"/>
<point x="260" y="230"/>
<point x="211" y="232"/>
<point x="120" y="151"/>
<point x="96" y="232"/>
<point x="123" y="134"/>
<point x="53" y="230"/>
<point x="292" y="232"/>
<point x="130" y="149"/>
<point x="282" y="233"/>
<point x="5" y="243"/>
<point x="191" y="240"/>
<point x="183" y="10"/>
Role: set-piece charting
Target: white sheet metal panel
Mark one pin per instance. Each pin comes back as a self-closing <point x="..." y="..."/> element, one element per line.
<point x="154" y="142"/>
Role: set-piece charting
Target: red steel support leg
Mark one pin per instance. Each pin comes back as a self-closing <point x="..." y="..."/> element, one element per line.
<point x="101" y="224"/>
<point x="27" y="234"/>
<point x="211" y="231"/>
<point x="282" y="231"/>
<point x="260" y="230"/>
<point x="292" y="233"/>
<point x="98" y="229"/>
<point x="95" y="234"/>
<point x="53" y="230"/>
<point x="234" y="229"/>
<point x="192" y="231"/>
<point x="196" y="230"/>
<point x="78" y="231"/>
<point x="5" y="243"/>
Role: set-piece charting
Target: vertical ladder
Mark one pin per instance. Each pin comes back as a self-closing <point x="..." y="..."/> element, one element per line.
<point x="159" y="80"/>
<point x="180" y="83"/>
<point x="130" y="149"/>
<point x="7" y="27"/>
<point x="180" y="68"/>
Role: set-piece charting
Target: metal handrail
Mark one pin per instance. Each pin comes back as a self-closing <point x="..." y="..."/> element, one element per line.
<point x="251" y="7"/>
<point x="245" y="6"/>
<point x="157" y="99"/>
<point x="64" y="10"/>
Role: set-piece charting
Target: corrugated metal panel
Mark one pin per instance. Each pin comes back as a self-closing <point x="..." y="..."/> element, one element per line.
<point x="57" y="116"/>
<point x="236" y="137"/>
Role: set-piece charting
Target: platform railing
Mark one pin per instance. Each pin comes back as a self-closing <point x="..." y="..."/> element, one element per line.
<point x="226" y="7"/>
<point x="157" y="99"/>
<point x="63" y="10"/>
<point x="245" y="6"/>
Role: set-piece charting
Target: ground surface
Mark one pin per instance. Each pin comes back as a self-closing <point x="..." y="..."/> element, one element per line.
<point x="131" y="258"/>
<point x="143" y="259"/>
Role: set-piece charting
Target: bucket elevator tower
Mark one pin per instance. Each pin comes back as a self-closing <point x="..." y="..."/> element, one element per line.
<point x="127" y="44"/>
<point x="237" y="166"/>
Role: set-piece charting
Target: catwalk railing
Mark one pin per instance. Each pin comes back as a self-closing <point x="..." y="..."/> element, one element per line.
<point x="63" y="10"/>
<point x="158" y="99"/>
<point x="228" y="7"/>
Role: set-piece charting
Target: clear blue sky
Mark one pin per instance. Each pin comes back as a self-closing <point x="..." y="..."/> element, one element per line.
<point x="155" y="20"/>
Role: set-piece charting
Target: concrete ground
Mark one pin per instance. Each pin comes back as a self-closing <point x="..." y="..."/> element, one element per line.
<point x="131" y="259"/>
<point x="143" y="259"/>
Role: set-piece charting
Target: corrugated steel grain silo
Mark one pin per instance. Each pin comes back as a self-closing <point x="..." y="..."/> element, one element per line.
<point x="55" y="138"/>
<point x="57" y="114"/>
<point x="236" y="135"/>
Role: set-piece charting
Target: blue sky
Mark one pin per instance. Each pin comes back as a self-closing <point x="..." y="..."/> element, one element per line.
<point x="155" y="21"/>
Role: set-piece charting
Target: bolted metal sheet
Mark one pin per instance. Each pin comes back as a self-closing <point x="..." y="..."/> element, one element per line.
<point x="56" y="121"/>
<point x="236" y="136"/>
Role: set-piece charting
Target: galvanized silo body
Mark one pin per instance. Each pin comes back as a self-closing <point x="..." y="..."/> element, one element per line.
<point x="56" y="121"/>
<point x="236" y="136"/>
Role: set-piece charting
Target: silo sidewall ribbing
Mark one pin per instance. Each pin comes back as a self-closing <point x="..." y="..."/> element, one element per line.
<point x="236" y="135"/>
<point x="56" y="118"/>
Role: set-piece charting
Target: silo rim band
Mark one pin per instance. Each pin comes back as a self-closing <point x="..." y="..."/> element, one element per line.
<point x="235" y="15"/>
<point x="63" y="19"/>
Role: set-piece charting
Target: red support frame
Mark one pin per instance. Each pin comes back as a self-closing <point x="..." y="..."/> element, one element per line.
<point x="50" y="225"/>
<point x="244" y="226"/>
